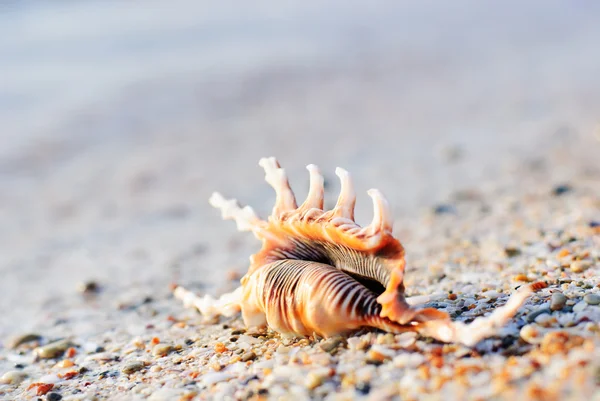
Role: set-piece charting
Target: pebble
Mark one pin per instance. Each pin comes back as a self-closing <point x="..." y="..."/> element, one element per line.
<point x="533" y="315"/>
<point x="378" y="354"/>
<point x="165" y="394"/>
<point x="316" y="378"/>
<point x="580" y="266"/>
<point x="53" y="397"/>
<point x="53" y="350"/>
<point x="406" y="340"/>
<point x="162" y="350"/>
<point x="512" y="252"/>
<point x="132" y="367"/>
<point x="580" y="306"/>
<point x="592" y="299"/>
<point x="491" y="294"/>
<point x="215" y="377"/>
<point x="13" y="377"/>
<point x="530" y="334"/>
<point x="331" y="344"/>
<point x="558" y="301"/>
<point x="88" y="287"/>
<point x="248" y="356"/>
<point x="22" y="339"/>
<point x="444" y="209"/>
<point x="561" y="189"/>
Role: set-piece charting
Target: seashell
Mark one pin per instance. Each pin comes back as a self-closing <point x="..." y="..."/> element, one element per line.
<point x="319" y="272"/>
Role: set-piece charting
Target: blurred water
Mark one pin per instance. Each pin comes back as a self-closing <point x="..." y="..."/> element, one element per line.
<point x="61" y="58"/>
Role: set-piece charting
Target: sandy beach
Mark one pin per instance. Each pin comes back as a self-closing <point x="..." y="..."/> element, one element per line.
<point x="480" y="124"/>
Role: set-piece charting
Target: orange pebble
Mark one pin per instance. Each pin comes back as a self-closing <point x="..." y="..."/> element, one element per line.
<point x="66" y="363"/>
<point x="220" y="347"/>
<point x="521" y="277"/>
<point x="70" y="352"/>
<point x="42" y="388"/>
<point x="155" y="340"/>
<point x="68" y="375"/>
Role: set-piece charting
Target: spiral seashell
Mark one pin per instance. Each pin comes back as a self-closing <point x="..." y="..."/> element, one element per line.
<point x="318" y="272"/>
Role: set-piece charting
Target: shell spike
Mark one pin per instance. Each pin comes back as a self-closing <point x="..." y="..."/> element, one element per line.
<point x="245" y="218"/>
<point x="316" y="191"/>
<point x="347" y="199"/>
<point x="276" y="177"/>
<point x="482" y="327"/>
<point x="382" y="218"/>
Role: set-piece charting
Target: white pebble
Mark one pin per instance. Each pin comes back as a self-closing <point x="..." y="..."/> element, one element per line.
<point x="579" y="307"/>
<point x="214" y="377"/>
<point x="13" y="377"/>
<point x="406" y="340"/>
<point x="491" y="294"/>
<point x="165" y="394"/>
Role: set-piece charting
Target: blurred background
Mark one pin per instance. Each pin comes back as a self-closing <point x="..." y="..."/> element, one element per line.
<point x="118" y="119"/>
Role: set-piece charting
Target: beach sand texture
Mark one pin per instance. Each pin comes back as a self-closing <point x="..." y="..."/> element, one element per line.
<point x="479" y="123"/>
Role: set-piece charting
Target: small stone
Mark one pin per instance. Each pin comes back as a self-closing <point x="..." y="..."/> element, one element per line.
<point x="282" y="349"/>
<point x="444" y="209"/>
<point x="363" y="388"/>
<point x="211" y="378"/>
<point x="512" y="252"/>
<point x="248" y="356"/>
<point x="406" y="340"/>
<point x="533" y="315"/>
<point x="52" y="350"/>
<point x="377" y="355"/>
<point x="88" y="287"/>
<point x="561" y="189"/>
<point x="579" y="266"/>
<point x="53" y="397"/>
<point x="331" y="345"/>
<point x="65" y="363"/>
<point x="558" y="301"/>
<point x="521" y="277"/>
<point x="162" y="350"/>
<point x="13" y="377"/>
<point x="579" y="306"/>
<point x="592" y="299"/>
<point x="22" y="339"/>
<point x="385" y="339"/>
<point x="530" y="334"/>
<point x="132" y="367"/>
<point x="314" y="380"/>
<point x="491" y="294"/>
<point x="220" y="348"/>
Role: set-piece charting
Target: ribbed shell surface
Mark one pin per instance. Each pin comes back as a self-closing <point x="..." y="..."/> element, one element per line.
<point x="306" y="297"/>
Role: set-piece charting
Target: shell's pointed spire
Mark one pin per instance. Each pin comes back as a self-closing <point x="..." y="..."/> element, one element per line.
<point x="382" y="218"/>
<point x="276" y="177"/>
<point x="245" y="218"/>
<point x="347" y="198"/>
<point x="316" y="192"/>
